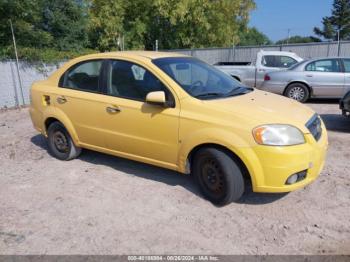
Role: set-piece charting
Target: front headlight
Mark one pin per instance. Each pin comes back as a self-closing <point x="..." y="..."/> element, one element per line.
<point x="278" y="135"/>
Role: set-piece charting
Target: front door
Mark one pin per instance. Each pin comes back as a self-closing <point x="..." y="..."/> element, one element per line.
<point x="135" y="127"/>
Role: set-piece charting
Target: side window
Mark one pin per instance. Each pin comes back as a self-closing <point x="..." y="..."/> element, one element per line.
<point x="278" y="61"/>
<point x="285" y="61"/>
<point x="84" y="76"/>
<point x="129" y="80"/>
<point x="327" y="65"/>
<point x="347" y="65"/>
<point x="268" y="61"/>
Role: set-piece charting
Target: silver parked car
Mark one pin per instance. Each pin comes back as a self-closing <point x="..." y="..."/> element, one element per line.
<point x="316" y="78"/>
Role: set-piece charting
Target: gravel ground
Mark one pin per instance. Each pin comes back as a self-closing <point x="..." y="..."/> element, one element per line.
<point x="99" y="204"/>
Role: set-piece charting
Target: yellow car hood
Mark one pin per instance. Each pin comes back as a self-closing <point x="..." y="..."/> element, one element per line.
<point x="265" y="108"/>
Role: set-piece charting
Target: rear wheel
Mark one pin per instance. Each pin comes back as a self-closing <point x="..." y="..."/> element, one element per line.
<point x="60" y="142"/>
<point x="219" y="177"/>
<point x="298" y="91"/>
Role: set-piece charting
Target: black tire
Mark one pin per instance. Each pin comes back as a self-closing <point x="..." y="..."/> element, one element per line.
<point x="219" y="177"/>
<point x="298" y="91"/>
<point x="60" y="143"/>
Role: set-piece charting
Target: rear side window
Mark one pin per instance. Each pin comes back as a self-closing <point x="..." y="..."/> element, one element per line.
<point x="278" y="61"/>
<point x="83" y="76"/>
<point x="326" y="65"/>
<point x="347" y="65"/>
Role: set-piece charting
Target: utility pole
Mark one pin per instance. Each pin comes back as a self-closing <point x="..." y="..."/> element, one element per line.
<point x="157" y="45"/>
<point x="18" y="74"/>
<point x="288" y="30"/>
<point x="338" y="42"/>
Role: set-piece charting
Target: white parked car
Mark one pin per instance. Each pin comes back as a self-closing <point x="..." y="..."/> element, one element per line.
<point x="252" y="73"/>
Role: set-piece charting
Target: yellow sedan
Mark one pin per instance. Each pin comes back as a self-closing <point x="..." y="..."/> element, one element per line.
<point x="177" y="112"/>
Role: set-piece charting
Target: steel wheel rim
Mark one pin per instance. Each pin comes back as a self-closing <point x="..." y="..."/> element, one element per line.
<point x="297" y="93"/>
<point x="213" y="177"/>
<point x="60" y="141"/>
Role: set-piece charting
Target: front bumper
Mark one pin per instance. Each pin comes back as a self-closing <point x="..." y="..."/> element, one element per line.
<point x="270" y="166"/>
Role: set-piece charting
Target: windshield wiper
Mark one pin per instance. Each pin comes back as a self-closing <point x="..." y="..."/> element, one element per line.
<point x="209" y="94"/>
<point x="236" y="92"/>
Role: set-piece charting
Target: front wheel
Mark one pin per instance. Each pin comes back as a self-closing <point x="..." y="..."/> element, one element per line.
<point x="219" y="177"/>
<point x="298" y="91"/>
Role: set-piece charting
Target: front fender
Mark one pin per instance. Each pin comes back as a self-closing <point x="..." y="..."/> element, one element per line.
<point x="223" y="138"/>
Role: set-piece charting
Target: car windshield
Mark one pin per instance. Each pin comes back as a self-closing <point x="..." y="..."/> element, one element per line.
<point x="199" y="79"/>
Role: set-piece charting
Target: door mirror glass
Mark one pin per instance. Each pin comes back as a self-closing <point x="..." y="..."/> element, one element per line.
<point x="157" y="98"/>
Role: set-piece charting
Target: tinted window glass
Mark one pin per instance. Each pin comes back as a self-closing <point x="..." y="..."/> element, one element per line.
<point x="347" y="65"/>
<point x="200" y="79"/>
<point x="129" y="80"/>
<point x="84" y="76"/>
<point x="328" y="65"/>
<point x="278" y="61"/>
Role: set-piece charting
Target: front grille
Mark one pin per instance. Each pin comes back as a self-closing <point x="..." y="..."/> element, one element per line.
<point x="314" y="126"/>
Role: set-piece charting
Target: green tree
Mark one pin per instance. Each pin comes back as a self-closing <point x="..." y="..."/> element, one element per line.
<point x="298" y="39"/>
<point x="252" y="36"/>
<point x="339" y="20"/>
<point x="26" y="19"/>
<point x="59" y="24"/>
<point x="106" y="24"/>
<point x="174" y="23"/>
<point x="66" y="22"/>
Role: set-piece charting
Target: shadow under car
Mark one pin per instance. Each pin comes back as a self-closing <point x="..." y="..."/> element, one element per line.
<point x="158" y="174"/>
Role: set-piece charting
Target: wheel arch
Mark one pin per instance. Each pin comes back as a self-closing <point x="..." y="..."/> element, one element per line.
<point x="223" y="148"/>
<point x="63" y="119"/>
<point x="299" y="82"/>
<point x="49" y="121"/>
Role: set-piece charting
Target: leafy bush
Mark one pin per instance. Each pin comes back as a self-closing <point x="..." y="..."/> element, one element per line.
<point x="44" y="55"/>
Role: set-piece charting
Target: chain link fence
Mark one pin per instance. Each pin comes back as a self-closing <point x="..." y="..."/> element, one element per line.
<point x="11" y="91"/>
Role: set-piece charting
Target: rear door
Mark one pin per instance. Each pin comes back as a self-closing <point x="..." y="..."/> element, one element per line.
<point x="325" y="77"/>
<point x="80" y="99"/>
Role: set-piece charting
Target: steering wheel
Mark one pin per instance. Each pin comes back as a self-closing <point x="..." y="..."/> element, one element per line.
<point x="196" y="87"/>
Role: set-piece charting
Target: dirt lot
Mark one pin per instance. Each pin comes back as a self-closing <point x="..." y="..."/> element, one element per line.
<point x="100" y="204"/>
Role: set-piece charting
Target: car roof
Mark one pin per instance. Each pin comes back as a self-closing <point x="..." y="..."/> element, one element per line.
<point x="327" y="57"/>
<point x="140" y="54"/>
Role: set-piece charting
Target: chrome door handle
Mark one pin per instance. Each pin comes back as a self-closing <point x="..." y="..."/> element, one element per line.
<point x="61" y="100"/>
<point x="309" y="75"/>
<point x="112" y="110"/>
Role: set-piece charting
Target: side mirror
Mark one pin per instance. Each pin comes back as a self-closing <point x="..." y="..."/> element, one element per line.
<point x="156" y="98"/>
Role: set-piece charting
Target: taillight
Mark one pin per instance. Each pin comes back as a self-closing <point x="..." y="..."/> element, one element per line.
<point x="267" y="77"/>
